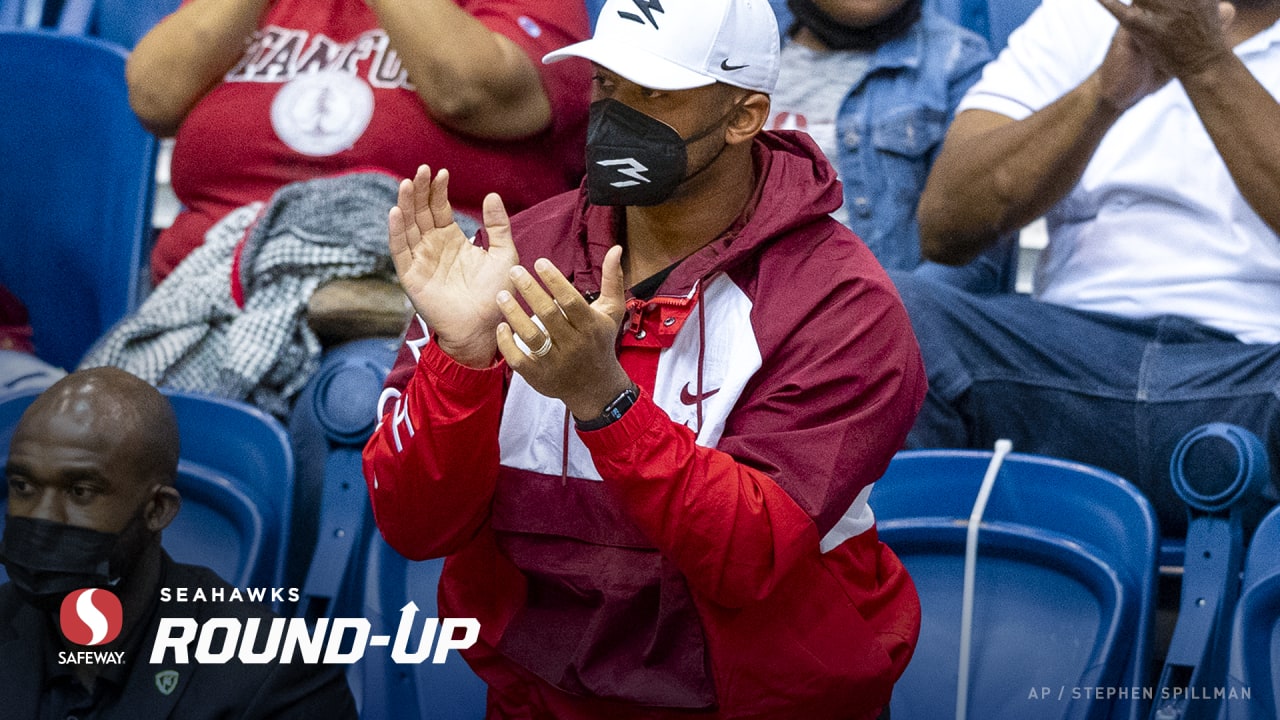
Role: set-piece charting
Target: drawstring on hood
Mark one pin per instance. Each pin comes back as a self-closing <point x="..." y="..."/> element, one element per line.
<point x="702" y="349"/>
<point x="564" y="457"/>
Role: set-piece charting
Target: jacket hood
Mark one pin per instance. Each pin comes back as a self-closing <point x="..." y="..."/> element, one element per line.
<point x="795" y="187"/>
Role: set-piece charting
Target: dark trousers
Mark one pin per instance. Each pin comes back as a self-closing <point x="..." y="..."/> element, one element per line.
<point x="1108" y="391"/>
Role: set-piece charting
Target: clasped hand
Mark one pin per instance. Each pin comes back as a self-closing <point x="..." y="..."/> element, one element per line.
<point x="1158" y="40"/>
<point x="465" y="294"/>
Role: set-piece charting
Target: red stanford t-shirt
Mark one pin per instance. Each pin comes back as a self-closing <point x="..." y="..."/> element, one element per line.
<point x="319" y="90"/>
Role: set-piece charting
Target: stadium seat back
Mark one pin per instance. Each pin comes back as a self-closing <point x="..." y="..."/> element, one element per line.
<point x="1002" y="18"/>
<point x="28" y="13"/>
<point x="74" y="17"/>
<point x="10" y="13"/>
<point x="76" y="186"/>
<point x="1065" y="585"/>
<point x="353" y="572"/>
<point x="1254" y="671"/>
<point x="593" y="12"/>
<point x="124" y="22"/>
<point x="387" y="690"/>
<point x="331" y="420"/>
<point x="236" y="476"/>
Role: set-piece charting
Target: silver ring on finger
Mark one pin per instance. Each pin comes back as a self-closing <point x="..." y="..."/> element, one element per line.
<point x="542" y="349"/>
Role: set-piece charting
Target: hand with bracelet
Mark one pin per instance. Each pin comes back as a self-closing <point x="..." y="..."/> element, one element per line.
<point x="572" y="354"/>
<point x="463" y="291"/>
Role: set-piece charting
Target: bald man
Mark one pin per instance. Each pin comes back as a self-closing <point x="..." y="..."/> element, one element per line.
<point x="90" y="475"/>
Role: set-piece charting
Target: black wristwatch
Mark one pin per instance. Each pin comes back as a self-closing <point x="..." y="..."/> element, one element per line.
<point x="612" y="411"/>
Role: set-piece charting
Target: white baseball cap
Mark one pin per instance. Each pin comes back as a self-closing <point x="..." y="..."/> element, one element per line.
<point x="682" y="44"/>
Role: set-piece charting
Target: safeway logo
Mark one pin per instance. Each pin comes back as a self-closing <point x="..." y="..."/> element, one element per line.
<point x="91" y="617"/>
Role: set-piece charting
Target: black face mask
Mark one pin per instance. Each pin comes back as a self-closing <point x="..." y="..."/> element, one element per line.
<point x="46" y="560"/>
<point x="846" y="37"/>
<point x="637" y="160"/>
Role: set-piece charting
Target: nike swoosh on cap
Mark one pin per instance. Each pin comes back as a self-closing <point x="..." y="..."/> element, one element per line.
<point x="724" y="65"/>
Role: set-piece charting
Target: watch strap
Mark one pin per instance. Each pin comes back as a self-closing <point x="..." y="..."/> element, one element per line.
<point x="612" y="412"/>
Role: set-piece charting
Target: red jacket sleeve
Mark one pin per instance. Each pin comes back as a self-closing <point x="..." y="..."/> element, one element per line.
<point x="432" y="462"/>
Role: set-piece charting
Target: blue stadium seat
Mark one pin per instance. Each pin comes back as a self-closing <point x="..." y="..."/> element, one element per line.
<point x="11" y="408"/>
<point x="1253" y="681"/>
<point x="331" y="420"/>
<point x="593" y="12"/>
<point x="780" y="10"/>
<point x="10" y="13"/>
<point x="21" y="373"/>
<point x="122" y="22"/>
<point x="1218" y="470"/>
<point x="126" y="21"/>
<point x="1065" y="585"/>
<point x="353" y="572"/>
<point x="28" y="13"/>
<point x="235" y="475"/>
<point x="1002" y="17"/>
<point x="377" y="584"/>
<point x="389" y="691"/>
<point x="75" y="16"/>
<point x="76" y="186"/>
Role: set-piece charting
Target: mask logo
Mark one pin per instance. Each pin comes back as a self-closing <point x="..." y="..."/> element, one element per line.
<point x="633" y="170"/>
<point x="649" y="153"/>
<point x="91" y="617"/>
<point x="167" y="681"/>
<point x="648" y="7"/>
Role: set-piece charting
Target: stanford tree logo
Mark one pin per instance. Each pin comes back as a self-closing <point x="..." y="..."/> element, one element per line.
<point x="91" y="617"/>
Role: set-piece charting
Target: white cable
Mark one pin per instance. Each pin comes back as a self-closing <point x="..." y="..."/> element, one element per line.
<point x="1003" y="448"/>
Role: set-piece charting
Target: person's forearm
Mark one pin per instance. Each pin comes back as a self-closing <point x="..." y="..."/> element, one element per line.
<point x="431" y="464"/>
<point x="177" y="62"/>
<point x="995" y="175"/>
<point x="733" y="532"/>
<point x="1241" y="118"/>
<point x="472" y="79"/>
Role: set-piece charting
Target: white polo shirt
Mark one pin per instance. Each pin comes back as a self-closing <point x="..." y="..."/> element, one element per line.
<point x="1156" y="225"/>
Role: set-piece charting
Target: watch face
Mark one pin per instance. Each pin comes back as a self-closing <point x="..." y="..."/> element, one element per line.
<point x="612" y="412"/>
<point x="622" y="403"/>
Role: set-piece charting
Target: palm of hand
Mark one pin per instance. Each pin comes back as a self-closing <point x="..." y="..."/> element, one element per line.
<point x="452" y="283"/>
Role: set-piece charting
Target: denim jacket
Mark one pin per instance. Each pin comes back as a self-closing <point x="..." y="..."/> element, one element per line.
<point x="891" y="126"/>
